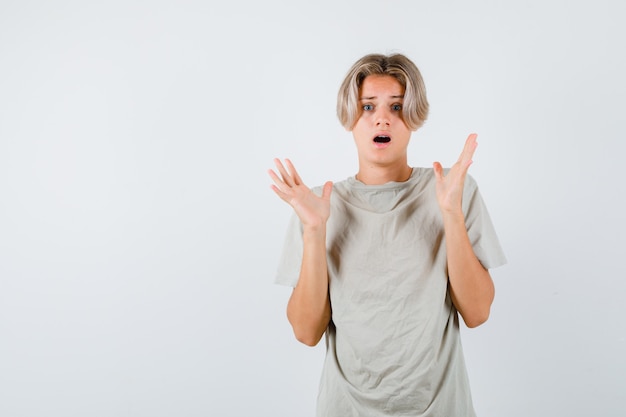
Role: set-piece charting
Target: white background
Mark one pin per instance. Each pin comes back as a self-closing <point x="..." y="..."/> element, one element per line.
<point x="139" y="236"/>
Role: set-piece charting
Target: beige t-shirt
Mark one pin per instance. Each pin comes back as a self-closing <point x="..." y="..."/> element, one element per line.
<point x="393" y="344"/>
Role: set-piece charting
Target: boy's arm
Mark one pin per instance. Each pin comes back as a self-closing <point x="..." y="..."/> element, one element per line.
<point x="308" y="309"/>
<point x="471" y="287"/>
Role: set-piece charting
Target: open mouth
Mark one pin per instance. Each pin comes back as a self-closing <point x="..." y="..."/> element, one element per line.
<point x="382" y="139"/>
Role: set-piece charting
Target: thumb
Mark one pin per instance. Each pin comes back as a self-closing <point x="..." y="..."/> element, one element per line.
<point x="328" y="188"/>
<point x="438" y="170"/>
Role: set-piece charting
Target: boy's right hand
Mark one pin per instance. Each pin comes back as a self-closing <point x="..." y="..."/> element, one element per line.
<point x="312" y="210"/>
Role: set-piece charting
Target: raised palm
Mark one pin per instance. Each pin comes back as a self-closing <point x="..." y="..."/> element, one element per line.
<point x="313" y="210"/>
<point x="449" y="188"/>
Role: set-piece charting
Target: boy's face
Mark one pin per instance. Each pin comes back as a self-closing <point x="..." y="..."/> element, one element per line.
<point x="380" y="134"/>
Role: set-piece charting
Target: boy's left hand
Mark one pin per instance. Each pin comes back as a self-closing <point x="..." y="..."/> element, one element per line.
<point x="449" y="188"/>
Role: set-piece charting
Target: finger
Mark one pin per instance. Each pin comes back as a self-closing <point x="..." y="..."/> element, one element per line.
<point x="438" y="170"/>
<point x="468" y="150"/>
<point x="280" y="188"/>
<point x="278" y="192"/>
<point x="328" y="188"/>
<point x="279" y="183"/>
<point x="283" y="172"/>
<point x="296" y="177"/>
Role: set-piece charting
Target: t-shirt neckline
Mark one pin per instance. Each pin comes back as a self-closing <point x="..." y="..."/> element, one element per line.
<point x="354" y="182"/>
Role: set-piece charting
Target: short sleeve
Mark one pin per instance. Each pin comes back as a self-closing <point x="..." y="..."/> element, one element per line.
<point x="480" y="228"/>
<point x="290" y="261"/>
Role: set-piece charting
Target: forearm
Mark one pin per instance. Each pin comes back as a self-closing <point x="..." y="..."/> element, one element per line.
<point x="471" y="287"/>
<point x="308" y="309"/>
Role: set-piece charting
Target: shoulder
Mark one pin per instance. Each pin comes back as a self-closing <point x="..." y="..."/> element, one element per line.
<point x="470" y="183"/>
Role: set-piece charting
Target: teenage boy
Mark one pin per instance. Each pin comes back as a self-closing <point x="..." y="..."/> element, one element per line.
<point x="384" y="262"/>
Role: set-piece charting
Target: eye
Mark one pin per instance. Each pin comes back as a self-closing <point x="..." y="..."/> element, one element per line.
<point x="396" y="107"/>
<point x="368" y="107"/>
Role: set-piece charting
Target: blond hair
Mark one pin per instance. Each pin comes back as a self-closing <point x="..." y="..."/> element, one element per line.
<point x="398" y="66"/>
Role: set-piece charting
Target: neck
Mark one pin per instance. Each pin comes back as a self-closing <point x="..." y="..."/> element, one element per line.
<point x="377" y="175"/>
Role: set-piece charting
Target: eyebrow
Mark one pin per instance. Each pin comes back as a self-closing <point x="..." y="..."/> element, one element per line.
<point x="373" y="97"/>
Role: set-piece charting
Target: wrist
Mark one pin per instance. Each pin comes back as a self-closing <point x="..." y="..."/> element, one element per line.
<point x="314" y="231"/>
<point x="453" y="216"/>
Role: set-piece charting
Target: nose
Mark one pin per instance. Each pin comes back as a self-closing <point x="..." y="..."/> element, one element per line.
<point x="383" y="117"/>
